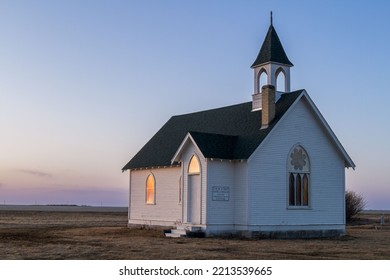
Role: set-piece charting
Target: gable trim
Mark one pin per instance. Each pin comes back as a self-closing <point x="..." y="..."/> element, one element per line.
<point x="187" y="138"/>
<point x="347" y="159"/>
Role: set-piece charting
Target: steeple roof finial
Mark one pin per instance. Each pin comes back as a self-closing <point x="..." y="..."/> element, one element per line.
<point x="272" y="49"/>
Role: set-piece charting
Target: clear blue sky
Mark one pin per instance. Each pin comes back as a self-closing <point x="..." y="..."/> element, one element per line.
<point x="84" y="84"/>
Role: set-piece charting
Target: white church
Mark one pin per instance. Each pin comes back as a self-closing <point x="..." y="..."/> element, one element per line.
<point x="270" y="167"/>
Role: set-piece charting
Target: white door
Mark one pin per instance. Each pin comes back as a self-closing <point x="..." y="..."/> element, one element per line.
<point x="194" y="199"/>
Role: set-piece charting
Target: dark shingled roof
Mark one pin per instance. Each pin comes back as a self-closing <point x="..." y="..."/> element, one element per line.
<point x="271" y="50"/>
<point x="215" y="145"/>
<point x="231" y="132"/>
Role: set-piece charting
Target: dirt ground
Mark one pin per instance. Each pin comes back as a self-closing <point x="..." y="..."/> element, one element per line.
<point x="104" y="235"/>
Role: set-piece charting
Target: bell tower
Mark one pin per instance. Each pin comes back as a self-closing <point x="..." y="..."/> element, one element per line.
<point x="271" y="62"/>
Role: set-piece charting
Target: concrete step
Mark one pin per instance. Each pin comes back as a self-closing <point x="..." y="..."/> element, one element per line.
<point x="179" y="231"/>
<point x="181" y="227"/>
<point x="185" y="231"/>
<point x="175" y="235"/>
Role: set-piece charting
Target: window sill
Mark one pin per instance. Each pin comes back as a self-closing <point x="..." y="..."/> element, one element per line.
<point x="299" y="208"/>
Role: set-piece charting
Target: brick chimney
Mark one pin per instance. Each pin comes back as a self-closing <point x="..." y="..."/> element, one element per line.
<point x="268" y="105"/>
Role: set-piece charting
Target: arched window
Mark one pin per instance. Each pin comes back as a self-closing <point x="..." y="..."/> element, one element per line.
<point x="280" y="80"/>
<point x="262" y="79"/>
<point x="194" y="166"/>
<point x="298" y="177"/>
<point x="150" y="193"/>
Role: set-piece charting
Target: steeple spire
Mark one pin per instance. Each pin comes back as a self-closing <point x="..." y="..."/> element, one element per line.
<point x="272" y="49"/>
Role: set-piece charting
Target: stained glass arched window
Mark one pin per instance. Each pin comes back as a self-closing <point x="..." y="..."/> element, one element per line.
<point x="298" y="177"/>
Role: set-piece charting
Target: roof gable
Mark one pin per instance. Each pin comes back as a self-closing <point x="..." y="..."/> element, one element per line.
<point x="348" y="161"/>
<point x="237" y="127"/>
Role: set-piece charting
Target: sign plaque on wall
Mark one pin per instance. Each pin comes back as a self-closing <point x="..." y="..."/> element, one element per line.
<point x="221" y="193"/>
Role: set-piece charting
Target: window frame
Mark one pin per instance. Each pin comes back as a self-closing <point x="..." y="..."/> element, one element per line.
<point x="151" y="175"/>
<point x="302" y="174"/>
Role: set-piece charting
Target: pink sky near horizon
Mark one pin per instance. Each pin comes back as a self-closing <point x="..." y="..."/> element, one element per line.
<point x="28" y="186"/>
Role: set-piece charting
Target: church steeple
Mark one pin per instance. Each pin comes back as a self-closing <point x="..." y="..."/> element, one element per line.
<point x="272" y="60"/>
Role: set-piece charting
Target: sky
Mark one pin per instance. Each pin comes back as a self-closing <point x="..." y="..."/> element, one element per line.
<point x="85" y="84"/>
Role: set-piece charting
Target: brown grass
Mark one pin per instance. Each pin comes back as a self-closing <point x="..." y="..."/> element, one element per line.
<point x="98" y="235"/>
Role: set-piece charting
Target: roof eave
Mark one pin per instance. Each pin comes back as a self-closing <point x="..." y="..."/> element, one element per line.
<point x="175" y="164"/>
<point x="255" y="65"/>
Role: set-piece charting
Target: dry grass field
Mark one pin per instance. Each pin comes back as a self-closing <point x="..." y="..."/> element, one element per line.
<point x="104" y="235"/>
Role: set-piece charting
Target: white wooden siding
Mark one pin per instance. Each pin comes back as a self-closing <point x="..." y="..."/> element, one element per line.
<point x="220" y="174"/>
<point x="227" y="214"/>
<point x="241" y="193"/>
<point x="268" y="179"/>
<point x="167" y="209"/>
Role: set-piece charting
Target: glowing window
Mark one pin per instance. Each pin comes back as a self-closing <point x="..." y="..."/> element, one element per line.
<point x="150" y="190"/>
<point x="298" y="174"/>
<point x="194" y="166"/>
